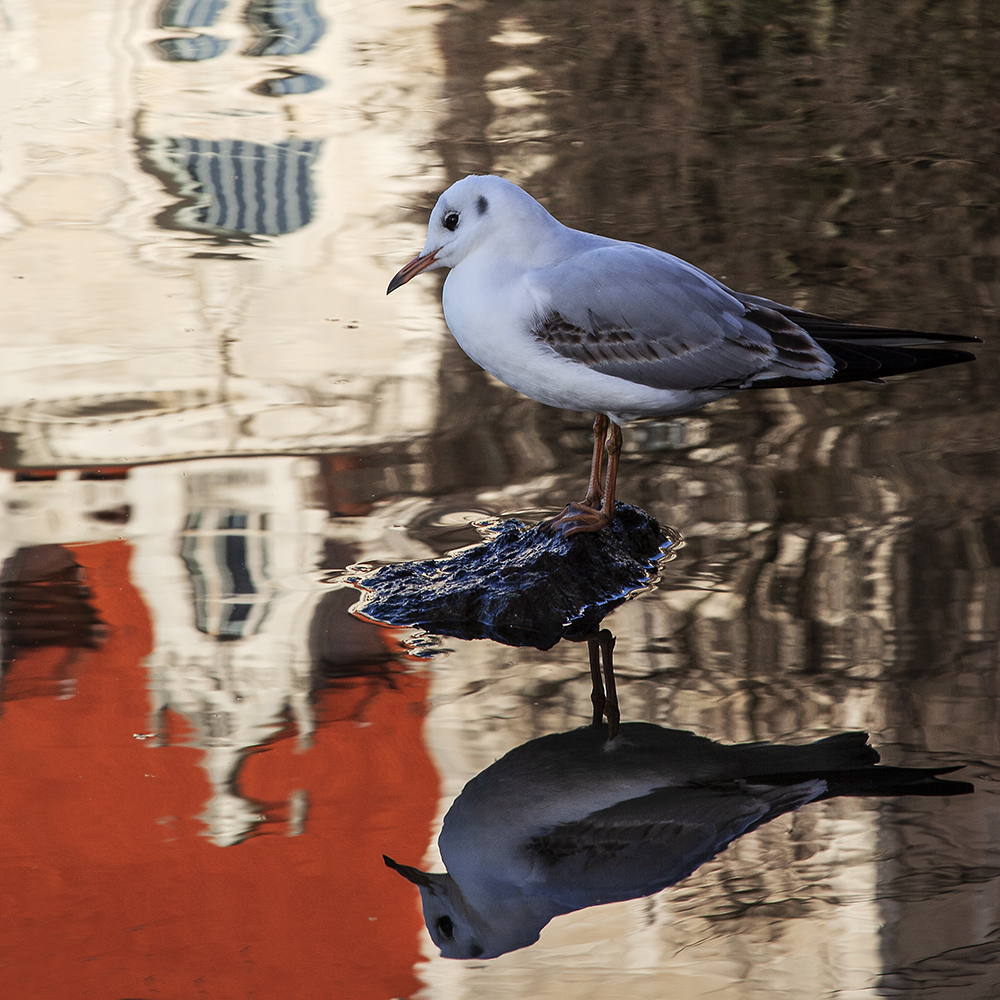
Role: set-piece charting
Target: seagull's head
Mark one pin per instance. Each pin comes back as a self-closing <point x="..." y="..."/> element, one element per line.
<point x="459" y="929"/>
<point x="473" y="212"/>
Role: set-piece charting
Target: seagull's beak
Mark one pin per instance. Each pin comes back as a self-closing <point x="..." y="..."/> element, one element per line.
<point x="415" y="266"/>
<point x="414" y="875"/>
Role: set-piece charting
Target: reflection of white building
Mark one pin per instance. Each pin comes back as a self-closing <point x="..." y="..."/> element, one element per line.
<point x="195" y="240"/>
<point x="128" y="338"/>
<point x="224" y="553"/>
<point x="222" y="550"/>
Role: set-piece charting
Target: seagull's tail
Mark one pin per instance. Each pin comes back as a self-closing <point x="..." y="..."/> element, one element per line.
<point x="848" y="766"/>
<point x="866" y="353"/>
<point x="858" y="360"/>
<point x="895" y="781"/>
<point x="880" y="781"/>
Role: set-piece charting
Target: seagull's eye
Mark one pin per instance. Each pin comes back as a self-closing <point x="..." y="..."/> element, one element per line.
<point x="451" y="221"/>
<point x="444" y="925"/>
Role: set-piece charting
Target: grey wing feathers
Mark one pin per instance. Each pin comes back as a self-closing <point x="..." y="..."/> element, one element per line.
<point x="647" y="317"/>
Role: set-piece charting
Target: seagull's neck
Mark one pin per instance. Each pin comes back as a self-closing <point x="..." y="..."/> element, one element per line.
<point x="545" y="243"/>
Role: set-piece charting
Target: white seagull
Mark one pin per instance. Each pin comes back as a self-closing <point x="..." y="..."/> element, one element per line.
<point x="570" y="820"/>
<point x="584" y="322"/>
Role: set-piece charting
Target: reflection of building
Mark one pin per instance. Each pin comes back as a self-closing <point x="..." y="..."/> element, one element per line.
<point x="217" y="547"/>
<point x="91" y="810"/>
<point x="126" y="334"/>
<point x="178" y="324"/>
<point x="224" y="554"/>
<point x="166" y="352"/>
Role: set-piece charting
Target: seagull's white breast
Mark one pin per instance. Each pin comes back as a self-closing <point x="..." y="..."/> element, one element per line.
<point x="491" y="305"/>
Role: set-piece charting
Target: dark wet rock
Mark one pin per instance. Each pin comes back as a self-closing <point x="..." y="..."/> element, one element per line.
<point x="523" y="586"/>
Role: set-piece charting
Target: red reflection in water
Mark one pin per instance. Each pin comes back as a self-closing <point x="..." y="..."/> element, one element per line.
<point x="108" y="888"/>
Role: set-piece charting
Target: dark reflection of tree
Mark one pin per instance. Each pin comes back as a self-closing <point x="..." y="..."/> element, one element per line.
<point x="842" y="543"/>
<point x="796" y="132"/>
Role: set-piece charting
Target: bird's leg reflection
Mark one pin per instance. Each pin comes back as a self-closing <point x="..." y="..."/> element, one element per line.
<point x="586" y="515"/>
<point x="600" y="647"/>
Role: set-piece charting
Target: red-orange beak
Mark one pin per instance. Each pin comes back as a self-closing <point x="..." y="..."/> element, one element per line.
<point x="408" y="271"/>
<point x="414" y="875"/>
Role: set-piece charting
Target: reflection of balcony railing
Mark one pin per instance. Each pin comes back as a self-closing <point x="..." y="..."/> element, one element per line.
<point x="226" y="554"/>
<point x="240" y="187"/>
<point x="286" y="27"/>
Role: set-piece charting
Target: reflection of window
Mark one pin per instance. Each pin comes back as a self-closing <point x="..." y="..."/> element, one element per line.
<point x="226" y="553"/>
<point x="240" y="187"/>
<point x="286" y="27"/>
<point x="291" y="83"/>
<point x="283" y="28"/>
<point x="190" y="14"/>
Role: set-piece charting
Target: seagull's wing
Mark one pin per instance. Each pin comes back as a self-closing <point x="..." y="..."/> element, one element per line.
<point x="641" y="846"/>
<point x="648" y="317"/>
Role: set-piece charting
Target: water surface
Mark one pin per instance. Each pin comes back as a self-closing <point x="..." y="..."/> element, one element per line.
<point x="209" y="409"/>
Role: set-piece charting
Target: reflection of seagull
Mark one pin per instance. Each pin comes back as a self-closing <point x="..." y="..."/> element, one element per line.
<point x="588" y="323"/>
<point x="570" y="820"/>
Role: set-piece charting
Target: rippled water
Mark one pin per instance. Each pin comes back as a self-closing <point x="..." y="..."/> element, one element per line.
<point x="209" y="410"/>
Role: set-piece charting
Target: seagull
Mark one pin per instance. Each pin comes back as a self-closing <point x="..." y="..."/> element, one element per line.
<point x="583" y="322"/>
<point x="570" y="820"/>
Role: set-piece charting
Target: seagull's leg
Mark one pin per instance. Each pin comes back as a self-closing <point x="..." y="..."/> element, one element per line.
<point x="606" y="641"/>
<point x="597" y="690"/>
<point x="614" y="450"/>
<point x="586" y="515"/>
<point x="594" y="491"/>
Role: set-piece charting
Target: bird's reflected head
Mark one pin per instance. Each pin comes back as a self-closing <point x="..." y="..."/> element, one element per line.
<point x="456" y="927"/>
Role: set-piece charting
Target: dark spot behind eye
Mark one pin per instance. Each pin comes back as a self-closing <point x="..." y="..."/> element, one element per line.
<point x="451" y="222"/>
<point x="445" y="927"/>
<point x="482" y="204"/>
<point x="475" y="951"/>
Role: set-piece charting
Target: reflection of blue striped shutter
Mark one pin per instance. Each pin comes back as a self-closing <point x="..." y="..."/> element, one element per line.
<point x="286" y="27"/>
<point x="193" y="48"/>
<point x="226" y="554"/>
<point x="190" y="13"/>
<point x="249" y="187"/>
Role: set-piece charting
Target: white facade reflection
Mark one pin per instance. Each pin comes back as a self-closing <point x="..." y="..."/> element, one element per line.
<point x="127" y="342"/>
<point x="195" y="249"/>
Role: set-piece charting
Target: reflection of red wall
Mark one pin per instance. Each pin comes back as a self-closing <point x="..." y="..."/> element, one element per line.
<point x="108" y="890"/>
